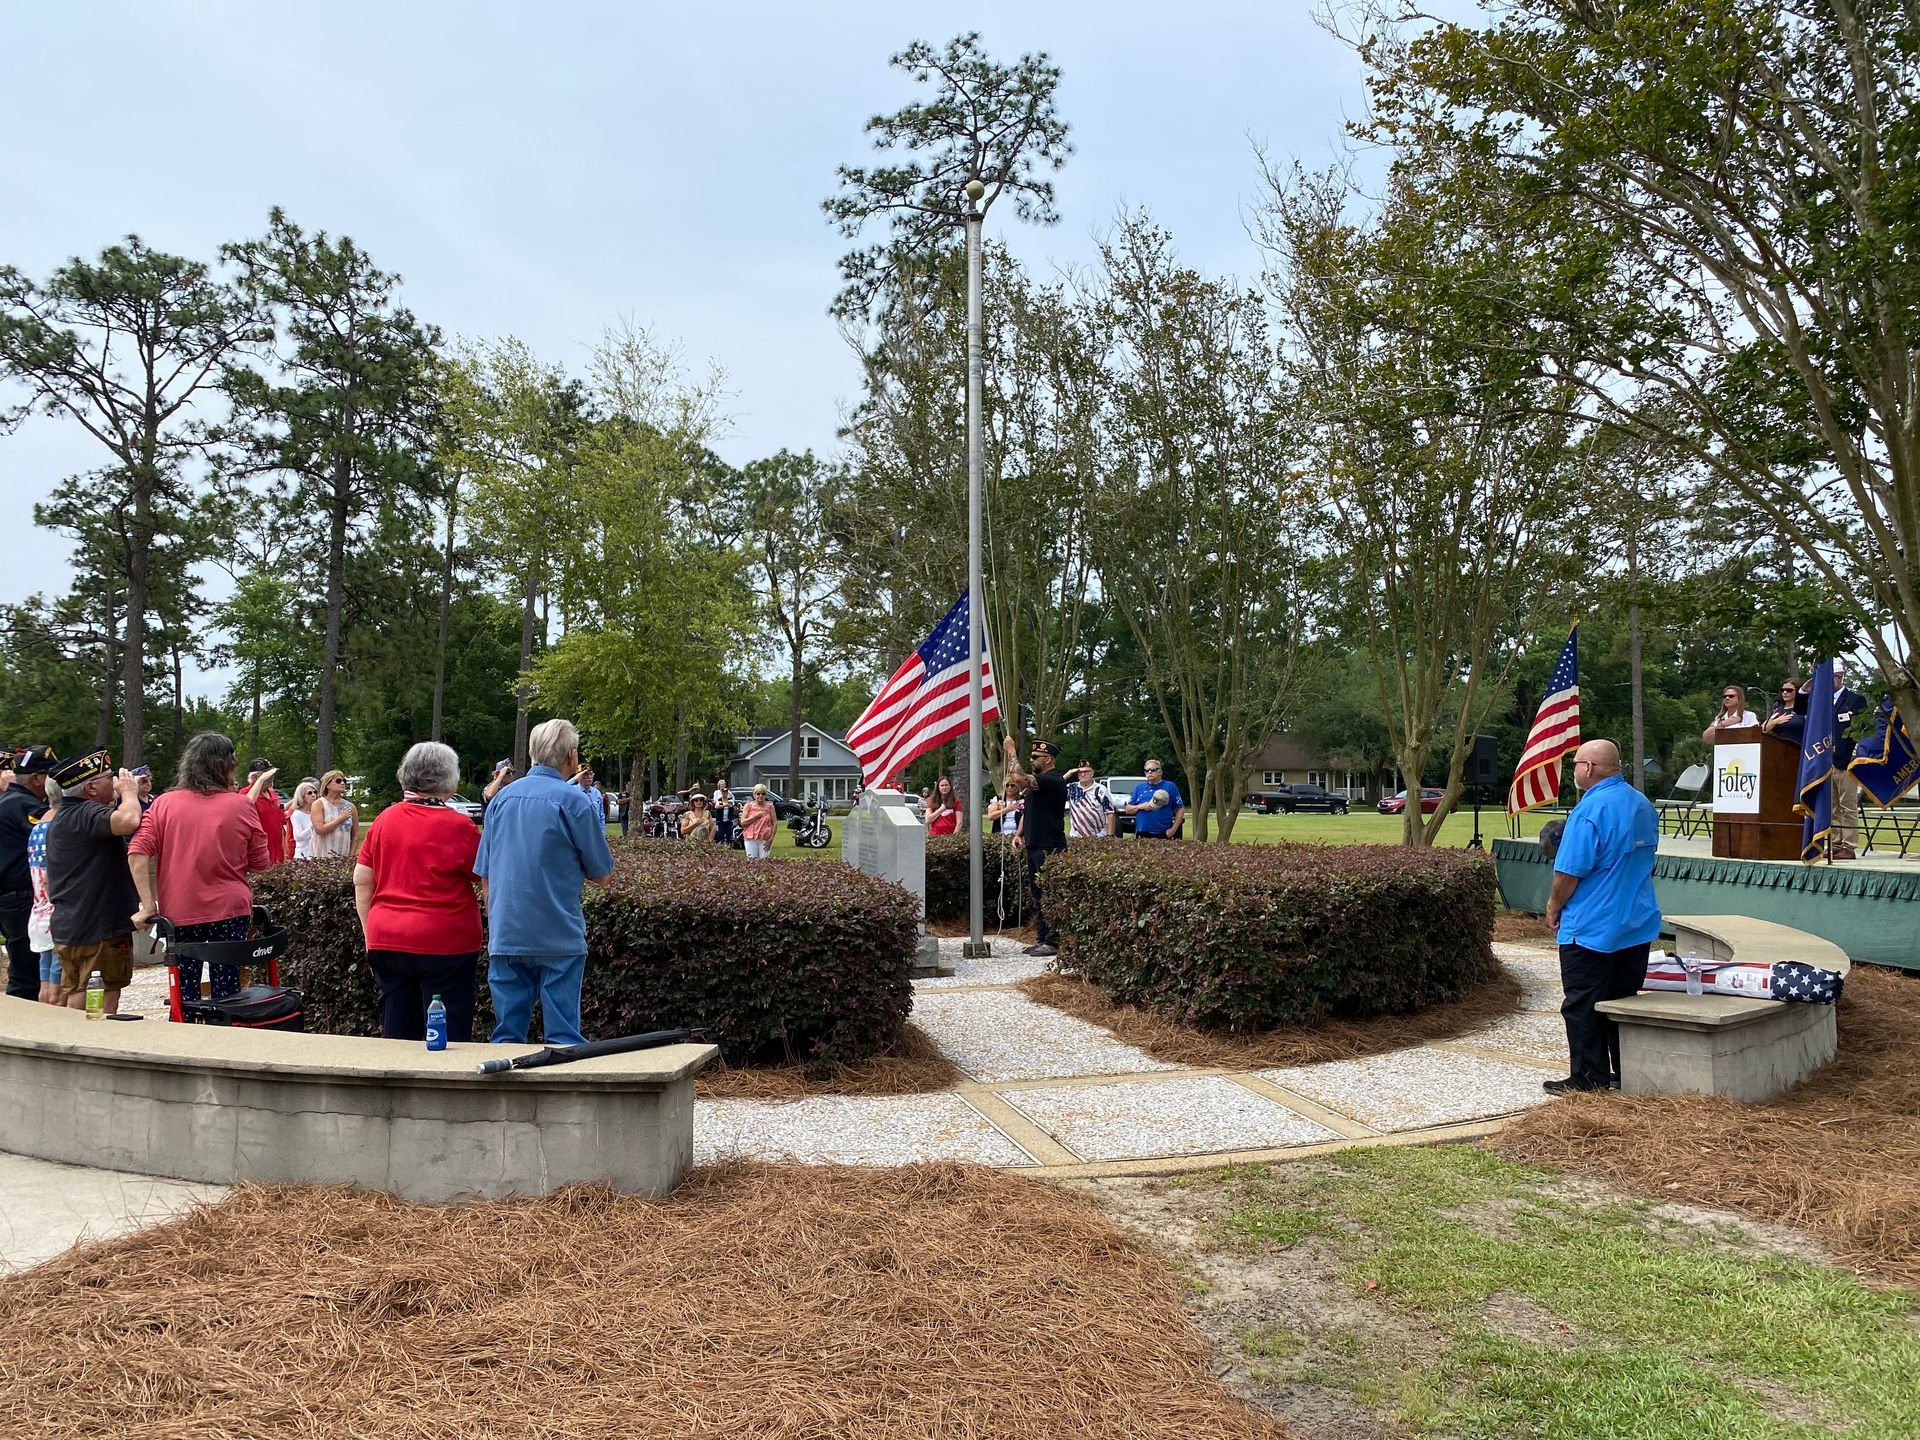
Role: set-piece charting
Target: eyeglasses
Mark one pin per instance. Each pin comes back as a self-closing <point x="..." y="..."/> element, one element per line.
<point x="1578" y="763"/>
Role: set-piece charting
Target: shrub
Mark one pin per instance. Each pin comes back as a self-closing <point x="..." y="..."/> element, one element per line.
<point x="779" y="959"/>
<point x="947" y="879"/>
<point x="1250" y="937"/>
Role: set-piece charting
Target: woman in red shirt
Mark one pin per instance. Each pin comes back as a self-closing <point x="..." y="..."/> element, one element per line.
<point x="204" y="838"/>
<point x="943" y="810"/>
<point x="413" y="885"/>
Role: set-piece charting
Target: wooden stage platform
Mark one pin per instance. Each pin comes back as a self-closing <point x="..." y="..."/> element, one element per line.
<point x="1869" y="907"/>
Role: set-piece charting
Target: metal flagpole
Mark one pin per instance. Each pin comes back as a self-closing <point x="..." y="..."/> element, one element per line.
<point x="976" y="946"/>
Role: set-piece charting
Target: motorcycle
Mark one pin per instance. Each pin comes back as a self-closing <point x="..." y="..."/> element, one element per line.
<point x="810" y="828"/>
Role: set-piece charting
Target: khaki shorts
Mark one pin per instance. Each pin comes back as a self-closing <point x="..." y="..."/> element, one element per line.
<point x="112" y="958"/>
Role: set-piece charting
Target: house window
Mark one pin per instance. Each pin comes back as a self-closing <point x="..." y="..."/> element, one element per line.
<point x="1317" y="777"/>
<point x="839" y="789"/>
<point x="1273" y="777"/>
<point x="809" y="747"/>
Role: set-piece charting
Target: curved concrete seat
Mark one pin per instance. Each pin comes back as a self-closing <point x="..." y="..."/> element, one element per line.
<point x="202" y="1102"/>
<point x="1740" y="1046"/>
<point x="1728" y="938"/>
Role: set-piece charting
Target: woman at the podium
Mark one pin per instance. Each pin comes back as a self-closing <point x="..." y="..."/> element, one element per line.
<point x="1733" y="715"/>
<point x="1789" y="718"/>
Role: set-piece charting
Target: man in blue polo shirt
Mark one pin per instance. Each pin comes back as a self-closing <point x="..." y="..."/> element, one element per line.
<point x="1603" y="903"/>
<point x="543" y="839"/>
<point x="1155" y="805"/>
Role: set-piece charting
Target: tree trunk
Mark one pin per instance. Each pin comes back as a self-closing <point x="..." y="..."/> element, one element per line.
<point x="794" y="717"/>
<point x="179" y="705"/>
<point x="446" y="610"/>
<point x="133" y="648"/>
<point x="255" y="726"/>
<point x="109" y="627"/>
<point x="1637" y="698"/>
<point x="680" y="743"/>
<point x="523" y="693"/>
<point x="336" y="608"/>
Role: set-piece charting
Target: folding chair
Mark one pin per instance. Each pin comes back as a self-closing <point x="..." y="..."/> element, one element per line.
<point x="1683" y="810"/>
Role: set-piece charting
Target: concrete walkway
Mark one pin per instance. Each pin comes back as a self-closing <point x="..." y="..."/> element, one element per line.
<point x="1049" y="1093"/>
<point x="1045" y="1093"/>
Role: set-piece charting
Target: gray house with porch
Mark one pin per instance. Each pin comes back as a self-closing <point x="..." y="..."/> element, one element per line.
<point x="828" y="769"/>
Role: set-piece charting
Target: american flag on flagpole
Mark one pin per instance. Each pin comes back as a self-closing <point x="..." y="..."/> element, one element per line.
<point x="1556" y="730"/>
<point x="925" y="704"/>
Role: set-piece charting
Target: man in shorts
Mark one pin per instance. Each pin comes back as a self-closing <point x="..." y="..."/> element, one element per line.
<point x="88" y="879"/>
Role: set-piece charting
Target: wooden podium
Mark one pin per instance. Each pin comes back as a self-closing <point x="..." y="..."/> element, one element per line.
<point x="1759" y="826"/>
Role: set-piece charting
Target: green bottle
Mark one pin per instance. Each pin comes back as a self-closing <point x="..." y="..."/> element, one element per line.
<point x="96" y="997"/>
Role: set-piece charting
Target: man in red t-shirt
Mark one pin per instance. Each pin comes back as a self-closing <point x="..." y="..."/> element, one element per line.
<point x="266" y="804"/>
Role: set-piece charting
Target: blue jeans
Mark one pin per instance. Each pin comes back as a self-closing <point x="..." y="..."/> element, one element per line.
<point x="516" y="979"/>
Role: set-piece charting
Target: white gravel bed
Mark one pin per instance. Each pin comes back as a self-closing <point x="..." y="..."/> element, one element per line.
<point x="1539" y="978"/>
<point x="997" y="1035"/>
<point x="1416" y="1088"/>
<point x="1544" y="1037"/>
<point x="1145" y="1118"/>
<point x="998" y="970"/>
<point x="850" y="1130"/>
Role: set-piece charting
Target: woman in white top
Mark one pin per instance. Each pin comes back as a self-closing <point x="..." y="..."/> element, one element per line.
<point x="332" y="815"/>
<point x="1733" y="714"/>
<point x="298" y="817"/>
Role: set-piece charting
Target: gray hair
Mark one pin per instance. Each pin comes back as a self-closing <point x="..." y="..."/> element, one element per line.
<point x="551" y="742"/>
<point x="54" y="794"/>
<point x="430" y="768"/>
<point x="206" y="764"/>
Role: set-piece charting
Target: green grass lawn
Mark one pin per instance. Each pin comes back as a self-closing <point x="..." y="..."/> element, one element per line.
<point x="1360" y="827"/>
<point x="1482" y="1298"/>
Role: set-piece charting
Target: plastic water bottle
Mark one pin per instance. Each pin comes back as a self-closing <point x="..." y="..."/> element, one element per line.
<point x="96" y="997"/>
<point x="1692" y="964"/>
<point x="436" y="1025"/>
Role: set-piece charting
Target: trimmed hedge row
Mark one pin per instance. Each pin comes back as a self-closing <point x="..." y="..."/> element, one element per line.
<point x="1250" y="937"/>
<point x="781" y="960"/>
<point x="947" y="879"/>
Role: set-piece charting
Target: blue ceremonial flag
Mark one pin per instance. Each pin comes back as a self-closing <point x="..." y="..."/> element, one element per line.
<point x="1888" y="765"/>
<point x="1814" y="795"/>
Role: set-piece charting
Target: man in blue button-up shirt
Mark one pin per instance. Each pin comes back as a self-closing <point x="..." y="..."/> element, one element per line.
<point x="1603" y="902"/>
<point x="543" y="840"/>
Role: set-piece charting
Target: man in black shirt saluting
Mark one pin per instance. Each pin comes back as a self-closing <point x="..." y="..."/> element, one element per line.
<point x="1042" y="829"/>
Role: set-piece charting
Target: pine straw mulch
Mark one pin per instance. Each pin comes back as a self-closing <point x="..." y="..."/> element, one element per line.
<point x="762" y="1301"/>
<point x="1179" y="1044"/>
<point x="1517" y="927"/>
<point x="914" y="1066"/>
<point x="1838" y="1156"/>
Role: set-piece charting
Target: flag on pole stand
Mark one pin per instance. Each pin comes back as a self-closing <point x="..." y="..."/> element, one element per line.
<point x="1887" y="765"/>
<point x="1813" y="797"/>
<point x="924" y="705"/>
<point x="1556" y="730"/>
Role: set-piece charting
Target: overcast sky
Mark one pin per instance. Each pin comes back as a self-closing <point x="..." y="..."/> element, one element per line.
<point x="541" y="170"/>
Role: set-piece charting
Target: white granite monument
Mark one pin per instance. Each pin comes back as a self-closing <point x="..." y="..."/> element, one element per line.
<point x="881" y="837"/>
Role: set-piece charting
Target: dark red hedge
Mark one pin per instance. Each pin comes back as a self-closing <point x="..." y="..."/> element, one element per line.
<point x="1249" y="937"/>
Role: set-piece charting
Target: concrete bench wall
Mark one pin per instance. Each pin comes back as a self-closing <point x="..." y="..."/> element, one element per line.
<point x="222" y="1105"/>
<point x="1672" y="1043"/>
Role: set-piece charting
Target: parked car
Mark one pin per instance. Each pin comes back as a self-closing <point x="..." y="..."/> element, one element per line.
<point x="783" y="808"/>
<point x="1313" y="798"/>
<point x="472" y="809"/>
<point x="1266" y="802"/>
<point x="1430" y="798"/>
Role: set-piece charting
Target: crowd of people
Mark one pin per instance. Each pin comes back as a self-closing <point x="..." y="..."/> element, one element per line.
<point x="90" y="857"/>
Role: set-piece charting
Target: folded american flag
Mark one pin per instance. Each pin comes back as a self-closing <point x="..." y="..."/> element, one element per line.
<point x="1791" y="981"/>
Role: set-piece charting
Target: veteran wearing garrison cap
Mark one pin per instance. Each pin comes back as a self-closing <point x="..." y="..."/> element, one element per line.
<point x="88" y="879"/>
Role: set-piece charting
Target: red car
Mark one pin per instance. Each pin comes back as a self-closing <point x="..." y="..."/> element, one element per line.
<point x="1430" y="798"/>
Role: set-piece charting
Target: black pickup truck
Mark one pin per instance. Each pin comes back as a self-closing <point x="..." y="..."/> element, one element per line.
<point x="1309" y="798"/>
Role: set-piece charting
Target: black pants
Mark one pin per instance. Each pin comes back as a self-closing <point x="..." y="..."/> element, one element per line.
<point x="23" y="966"/>
<point x="1588" y="977"/>
<point x="408" y="984"/>
<point x="1044" y="933"/>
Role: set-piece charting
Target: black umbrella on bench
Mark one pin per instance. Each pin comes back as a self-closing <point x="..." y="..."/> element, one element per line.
<point x="616" y="1045"/>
